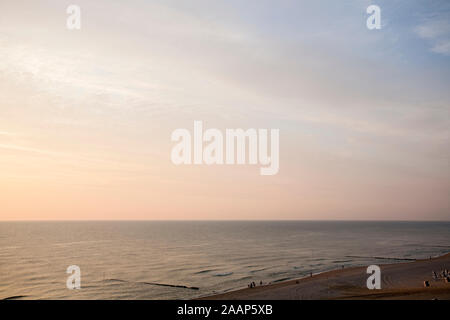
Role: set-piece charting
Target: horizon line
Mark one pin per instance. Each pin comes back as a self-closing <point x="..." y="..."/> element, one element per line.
<point x="218" y="220"/>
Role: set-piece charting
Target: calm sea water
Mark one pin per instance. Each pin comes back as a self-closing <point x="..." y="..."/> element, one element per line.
<point x="126" y="260"/>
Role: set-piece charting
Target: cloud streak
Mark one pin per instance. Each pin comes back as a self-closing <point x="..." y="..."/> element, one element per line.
<point x="436" y="31"/>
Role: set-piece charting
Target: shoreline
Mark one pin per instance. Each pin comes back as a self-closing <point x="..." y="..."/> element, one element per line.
<point x="400" y="281"/>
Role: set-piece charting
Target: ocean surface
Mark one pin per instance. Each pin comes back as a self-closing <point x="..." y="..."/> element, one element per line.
<point x="136" y="260"/>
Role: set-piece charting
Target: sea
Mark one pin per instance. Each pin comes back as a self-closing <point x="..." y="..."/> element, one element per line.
<point x="191" y="259"/>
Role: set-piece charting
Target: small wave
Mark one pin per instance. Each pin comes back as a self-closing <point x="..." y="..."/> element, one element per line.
<point x="382" y="258"/>
<point x="274" y="274"/>
<point x="282" y="279"/>
<point x="258" y="270"/>
<point x="223" y="274"/>
<point x="65" y="244"/>
<point x="14" y="297"/>
<point x="10" y="248"/>
<point x="171" y="285"/>
<point x="316" y="265"/>
<point x="204" y="271"/>
<point x="153" y="284"/>
<point x="114" y="280"/>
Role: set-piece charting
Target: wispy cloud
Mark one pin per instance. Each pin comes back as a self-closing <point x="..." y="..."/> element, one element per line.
<point x="437" y="31"/>
<point x="28" y="149"/>
<point x="442" y="47"/>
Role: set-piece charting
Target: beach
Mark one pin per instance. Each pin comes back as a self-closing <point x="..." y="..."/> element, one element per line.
<point x="399" y="281"/>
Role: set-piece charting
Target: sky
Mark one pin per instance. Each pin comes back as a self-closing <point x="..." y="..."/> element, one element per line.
<point x="86" y="115"/>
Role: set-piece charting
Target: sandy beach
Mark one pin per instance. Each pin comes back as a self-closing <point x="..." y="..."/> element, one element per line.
<point x="399" y="281"/>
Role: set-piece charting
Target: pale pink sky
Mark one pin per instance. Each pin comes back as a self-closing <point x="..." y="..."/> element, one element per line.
<point x="86" y="116"/>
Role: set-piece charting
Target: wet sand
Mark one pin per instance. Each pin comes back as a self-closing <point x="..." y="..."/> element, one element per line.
<point x="399" y="281"/>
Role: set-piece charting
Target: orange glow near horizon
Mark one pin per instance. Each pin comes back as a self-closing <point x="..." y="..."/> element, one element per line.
<point x="86" y="119"/>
